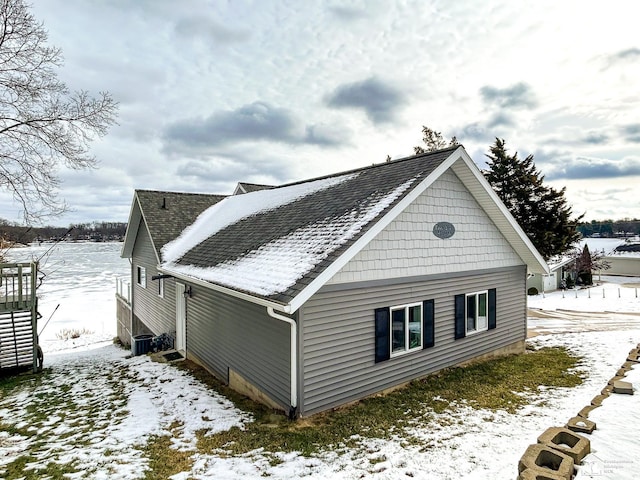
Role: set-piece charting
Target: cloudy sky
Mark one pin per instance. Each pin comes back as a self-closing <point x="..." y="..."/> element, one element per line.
<point x="216" y="92"/>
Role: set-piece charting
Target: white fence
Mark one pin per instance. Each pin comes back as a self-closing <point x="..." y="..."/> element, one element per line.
<point x="123" y="288"/>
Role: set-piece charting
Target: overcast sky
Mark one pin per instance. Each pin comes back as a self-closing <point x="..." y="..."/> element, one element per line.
<point x="214" y="92"/>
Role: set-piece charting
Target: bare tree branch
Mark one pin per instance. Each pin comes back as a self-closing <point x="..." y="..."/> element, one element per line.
<point x="43" y="125"/>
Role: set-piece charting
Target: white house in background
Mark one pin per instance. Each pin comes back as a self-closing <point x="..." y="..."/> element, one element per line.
<point x="314" y="294"/>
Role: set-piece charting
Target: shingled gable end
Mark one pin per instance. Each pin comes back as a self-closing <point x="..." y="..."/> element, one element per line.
<point x="314" y="294"/>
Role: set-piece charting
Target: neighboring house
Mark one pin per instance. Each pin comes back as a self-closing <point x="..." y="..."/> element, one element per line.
<point x="314" y="294"/>
<point x="558" y="270"/>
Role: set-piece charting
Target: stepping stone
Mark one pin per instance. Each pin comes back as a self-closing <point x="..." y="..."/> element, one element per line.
<point x="607" y="390"/>
<point x="623" y="387"/>
<point x="598" y="399"/>
<point x="615" y="379"/>
<point x="584" y="413"/>
<point x="581" y="425"/>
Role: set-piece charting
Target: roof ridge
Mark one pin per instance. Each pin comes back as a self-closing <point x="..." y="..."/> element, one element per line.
<point x="370" y="167"/>
<point x="174" y="192"/>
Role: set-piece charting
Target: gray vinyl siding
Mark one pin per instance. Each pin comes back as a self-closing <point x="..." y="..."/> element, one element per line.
<point x="339" y="337"/>
<point x="225" y="332"/>
<point x="157" y="314"/>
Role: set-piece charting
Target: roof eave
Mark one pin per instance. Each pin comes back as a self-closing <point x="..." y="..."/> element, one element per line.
<point x="284" y="308"/>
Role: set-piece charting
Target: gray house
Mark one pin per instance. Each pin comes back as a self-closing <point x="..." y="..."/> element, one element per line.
<point x="310" y="295"/>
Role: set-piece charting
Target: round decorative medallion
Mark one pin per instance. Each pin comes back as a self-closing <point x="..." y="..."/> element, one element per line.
<point x="444" y="230"/>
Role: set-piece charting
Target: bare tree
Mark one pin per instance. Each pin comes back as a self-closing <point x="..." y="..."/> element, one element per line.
<point x="43" y="125"/>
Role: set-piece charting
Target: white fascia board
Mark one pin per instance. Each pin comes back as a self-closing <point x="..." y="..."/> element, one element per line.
<point x="359" y="244"/>
<point x="132" y="228"/>
<point x="227" y="291"/>
<point x="539" y="264"/>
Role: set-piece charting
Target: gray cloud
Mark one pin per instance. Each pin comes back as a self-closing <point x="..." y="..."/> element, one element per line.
<point x="632" y="132"/>
<point x="501" y="120"/>
<point x="203" y="27"/>
<point x="379" y="100"/>
<point x="348" y="13"/>
<point x="256" y="121"/>
<point x="515" y="96"/>
<point x="628" y="54"/>
<point x="596" y="138"/>
<point x="223" y="170"/>
<point x="582" y="168"/>
<point x="477" y="132"/>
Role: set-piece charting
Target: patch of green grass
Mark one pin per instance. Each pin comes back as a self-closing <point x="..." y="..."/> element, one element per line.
<point x="52" y="471"/>
<point x="11" y="382"/>
<point x="165" y="461"/>
<point x="499" y="384"/>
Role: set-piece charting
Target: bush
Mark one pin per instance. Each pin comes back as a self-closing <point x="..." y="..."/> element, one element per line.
<point x="532" y="291"/>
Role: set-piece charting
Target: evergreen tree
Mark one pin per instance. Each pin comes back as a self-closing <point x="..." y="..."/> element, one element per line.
<point x="433" y="141"/>
<point x="541" y="211"/>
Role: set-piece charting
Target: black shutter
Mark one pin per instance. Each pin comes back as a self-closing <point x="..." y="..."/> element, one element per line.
<point x="428" y="324"/>
<point x="460" y="329"/>
<point x="492" y="308"/>
<point x="383" y="348"/>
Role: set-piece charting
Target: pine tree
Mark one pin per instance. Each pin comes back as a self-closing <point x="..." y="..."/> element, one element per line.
<point x="433" y="141"/>
<point x="541" y="211"/>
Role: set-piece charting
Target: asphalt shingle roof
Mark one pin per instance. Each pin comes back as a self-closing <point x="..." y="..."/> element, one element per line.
<point x="320" y="219"/>
<point x="167" y="214"/>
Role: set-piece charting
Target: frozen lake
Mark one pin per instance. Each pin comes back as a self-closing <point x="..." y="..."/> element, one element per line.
<point x="80" y="278"/>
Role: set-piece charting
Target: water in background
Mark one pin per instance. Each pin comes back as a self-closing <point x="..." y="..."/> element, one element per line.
<point x="81" y="278"/>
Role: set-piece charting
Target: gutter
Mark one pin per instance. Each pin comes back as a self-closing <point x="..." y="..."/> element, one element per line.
<point x="293" y="411"/>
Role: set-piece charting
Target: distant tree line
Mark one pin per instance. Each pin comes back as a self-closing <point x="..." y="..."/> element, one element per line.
<point x="93" y="231"/>
<point x="610" y="228"/>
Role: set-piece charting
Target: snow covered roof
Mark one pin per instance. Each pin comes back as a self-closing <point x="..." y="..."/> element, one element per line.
<point x="283" y="243"/>
<point x="165" y="214"/>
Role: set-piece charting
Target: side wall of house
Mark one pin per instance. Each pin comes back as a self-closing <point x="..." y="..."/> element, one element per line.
<point x="228" y="334"/>
<point x="623" y="265"/>
<point x="338" y="328"/>
<point x="151" y="312"/>
<point x="408" y="246"/>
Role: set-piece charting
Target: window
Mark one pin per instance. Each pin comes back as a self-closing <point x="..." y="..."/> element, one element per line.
<point x="161" y="287"/>
<point x="406" y="328"/>
<point x="475" y="312"/>
<point x="403" y="328"/>
<point x="141" y="276"/>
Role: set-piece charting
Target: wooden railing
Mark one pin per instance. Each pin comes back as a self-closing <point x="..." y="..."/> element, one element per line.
<point x="17" y="286"/>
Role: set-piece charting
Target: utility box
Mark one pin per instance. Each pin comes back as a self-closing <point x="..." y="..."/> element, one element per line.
<point x="140" y="344"/>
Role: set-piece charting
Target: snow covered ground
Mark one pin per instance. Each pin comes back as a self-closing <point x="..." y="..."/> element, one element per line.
<point x="117" y="404"/>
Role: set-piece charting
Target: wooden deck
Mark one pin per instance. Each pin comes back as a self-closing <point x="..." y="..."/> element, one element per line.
<point x="18" y="315"/>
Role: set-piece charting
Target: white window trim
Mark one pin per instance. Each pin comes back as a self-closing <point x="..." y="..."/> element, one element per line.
<point x="466" y="323"/>
<point x="141" y="276"/>
<point x="161" y="287"/>
<point x="407" y="350"/>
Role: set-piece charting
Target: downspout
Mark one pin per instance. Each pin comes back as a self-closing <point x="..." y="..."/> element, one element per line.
<point x="293" y="411"/>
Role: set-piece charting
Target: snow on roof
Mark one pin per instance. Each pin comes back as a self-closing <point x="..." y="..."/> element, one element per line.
<point x="235" y="208"/>
<point x="276" y="266"/>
